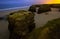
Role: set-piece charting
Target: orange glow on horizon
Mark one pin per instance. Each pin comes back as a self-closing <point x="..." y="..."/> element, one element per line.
<point x="52" y="2"/>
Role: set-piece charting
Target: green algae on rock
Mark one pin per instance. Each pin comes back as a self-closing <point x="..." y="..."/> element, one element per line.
<point x="51" y="30"/>
<point x="20" y="24"/>
<point x="41" y="8"/>
<point x="44" y="8"/>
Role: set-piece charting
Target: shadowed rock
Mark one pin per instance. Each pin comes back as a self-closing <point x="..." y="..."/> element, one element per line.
<point x="51" y="30"/>
<point x="41" y="8"/>
<point x="21" y="24"/>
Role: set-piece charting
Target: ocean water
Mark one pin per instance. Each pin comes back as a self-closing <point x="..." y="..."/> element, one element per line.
<point x="5" y="4"/>
<point x="4" y="7"/>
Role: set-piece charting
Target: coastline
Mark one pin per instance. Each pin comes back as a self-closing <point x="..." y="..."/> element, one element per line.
<point x="15" y="8"/>
<point x="40" y="20"/>
<point x="4" y="12"/>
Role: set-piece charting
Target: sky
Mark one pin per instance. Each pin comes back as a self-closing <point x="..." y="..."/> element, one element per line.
<point x="30" y="1"/>
<point x="16" y="1"/>
<point x="52" y="1"/>
<point x="20" y="3"/>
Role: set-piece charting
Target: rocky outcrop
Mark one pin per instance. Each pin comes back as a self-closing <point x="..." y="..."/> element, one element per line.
<point x="51" y="30"/>
<point x="21" y="23"/>
<point x="41" y="8"/>
<point x="55" y="5"/>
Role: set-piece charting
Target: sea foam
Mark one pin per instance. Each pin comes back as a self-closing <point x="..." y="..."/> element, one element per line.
<point x="16" y="8"/>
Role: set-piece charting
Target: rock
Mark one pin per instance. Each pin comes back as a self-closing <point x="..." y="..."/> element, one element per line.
<point x="44" y="8"/>
<point x="41" y="8"/>
<point x="1" y="18"/>
<point x="55" y="5"/>
<point x="32" y="8"/>
<point x="20" y="24"/>
<point x="51" y="30"/>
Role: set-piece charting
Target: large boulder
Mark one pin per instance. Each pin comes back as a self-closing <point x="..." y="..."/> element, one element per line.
<point x="44" y="8"/>
<point x="20" y="24"/>
<point x="41" y="8"/>
<point x="51" y="30"/>
<point x="32" y="8"/>
<point x="55" y="5"/>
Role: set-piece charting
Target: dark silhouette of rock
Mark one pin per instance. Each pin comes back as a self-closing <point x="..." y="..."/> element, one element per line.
<point x="55" y="5"/>
<point x="1" y="18"/>
<point x="41" y="8"/>
<point x="44" y="8"/>
<point x="32" y="8"/>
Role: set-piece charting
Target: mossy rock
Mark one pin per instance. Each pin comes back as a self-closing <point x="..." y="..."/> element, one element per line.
<point x="55" y="5"/>
<point x="21" y="17"/>
<point x="19" y="23"/>
<point x="51" y="30"/>
<point x="44" y="8"/>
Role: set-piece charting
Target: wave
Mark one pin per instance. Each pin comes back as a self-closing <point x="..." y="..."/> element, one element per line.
<point x="16" y="8"/>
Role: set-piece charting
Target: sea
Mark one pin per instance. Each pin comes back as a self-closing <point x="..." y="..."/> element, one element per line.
<point x="13" y="6"/>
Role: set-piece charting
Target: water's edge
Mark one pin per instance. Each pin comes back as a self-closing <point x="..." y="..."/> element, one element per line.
<point x="15" y="8"/>
<point x="4" y="12"/>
